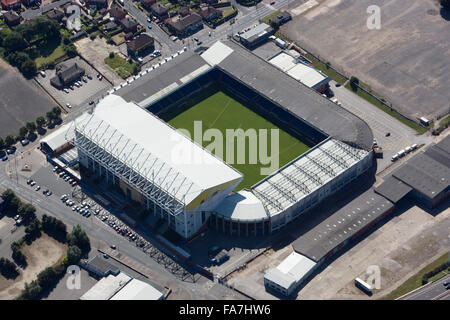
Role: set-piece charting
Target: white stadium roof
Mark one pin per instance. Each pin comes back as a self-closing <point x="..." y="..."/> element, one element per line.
<point x="243" y="206"/>
<point x="154" y="149"/>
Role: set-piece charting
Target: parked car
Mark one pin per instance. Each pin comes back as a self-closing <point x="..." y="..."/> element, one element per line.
<point x="149" y="26"/>
<point x="42" y="74"/>
<point x="24" y="142"/>
<point x="32" y="183"/>
<point x="29" y="181"/>
<point x="66" y="90"/>
<point x="89" y="77"/>
<point x="5" y="158"/>
<point x="37" y="188"/>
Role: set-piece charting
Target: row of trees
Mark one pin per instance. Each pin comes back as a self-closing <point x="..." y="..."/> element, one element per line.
<point x="31" y="127"/>
<point x="13" y="205"/>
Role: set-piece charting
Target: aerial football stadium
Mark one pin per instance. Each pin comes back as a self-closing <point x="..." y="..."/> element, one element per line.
<point x="131" y="138"/>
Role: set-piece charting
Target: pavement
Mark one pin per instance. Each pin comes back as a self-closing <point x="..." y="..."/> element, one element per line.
<point x="380" y="122"/>
<point x="432" y="291"/>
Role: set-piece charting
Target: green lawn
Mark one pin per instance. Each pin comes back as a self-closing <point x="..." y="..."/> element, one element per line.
<point x="328" y="71"/>
<point x="416" y="280"/>
<point x="418" y="128"/>
<point x="266" y="19"/>
<point x="220" y="111"/>
<point x="123" y="68"/>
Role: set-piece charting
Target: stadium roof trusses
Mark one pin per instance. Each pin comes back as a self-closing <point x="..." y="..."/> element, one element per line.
<point x="306" y="174"/>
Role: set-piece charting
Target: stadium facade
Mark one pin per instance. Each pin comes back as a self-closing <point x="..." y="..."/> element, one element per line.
<point x="126" y="139"/>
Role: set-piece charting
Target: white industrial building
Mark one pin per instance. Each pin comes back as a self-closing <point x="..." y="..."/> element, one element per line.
<point x="122" y="287"/>
<point x="287" y="276"/>
<point x="153" y="163"/>
<point x="306" y="74"/>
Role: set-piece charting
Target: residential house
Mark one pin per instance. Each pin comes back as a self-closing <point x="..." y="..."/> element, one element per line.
<point x="56" y="14"/>
<point x="147" y="4"/>
<point x="66" y="74"/>
<point x="185" y="26"/>
<point x="209" y="14"/>
<point x="96" y="4"/>
<point x="10" y="4"/>
<point x="128" y="25"/>
<point x="117" y="13"/>
<point x="159" y="11"/>
<point x="29" y="3"/>
<point x="140" y="44"/>
<point x="183" y="11"/>
<point x="11" y="18"/>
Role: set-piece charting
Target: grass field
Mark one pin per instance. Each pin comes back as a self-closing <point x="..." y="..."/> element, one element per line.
<point x="222" y="112"/>
<point x="122" y="67"/>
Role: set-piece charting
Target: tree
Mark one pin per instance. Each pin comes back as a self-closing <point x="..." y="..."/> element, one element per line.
<point x="73" y="254"/>
<point x="66" y="40"/>
<point x="111" y="55"/>
<point x="47" y="277"/>
<point x="28" y="68"/>
<point x="54" y="228"/>
<point x="31" y="126"/>
<point x="136" y="69"/>
<point x="33" y="231"/>
<point x="79" y="238"/>
<point x="23" y="131"/>
<point x="28" y="212"/>
<point x="2" y="143"/>
<point x="9" y="140"/>
<point x="354" y="81"/>
<point x="70" y="50"/>
<point x="14" y="42"/>
<point x="50" y="115"/>
<point x="8" y="195"/>
<point x="56" y="111"/>
<point x="445" y="4"/>
<point x="8" y="269"/>
<point x="31" y="291"/>
<point x="40" y="121"/>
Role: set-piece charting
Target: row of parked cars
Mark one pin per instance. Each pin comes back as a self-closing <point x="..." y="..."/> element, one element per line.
<point x="79" y="83"/>
<point x="32" y="183"/>
<point x="65" y="176"/>
<point x="403" y="152"/>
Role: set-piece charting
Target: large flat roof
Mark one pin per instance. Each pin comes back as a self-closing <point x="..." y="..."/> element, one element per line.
<point x="341" y="225"/>
<point x="155" y="149"/>
<point x="242" y="206"/>
<point x="393" y="189"/>
<point x="106" y="287"/>
<point x="137" y="290"/>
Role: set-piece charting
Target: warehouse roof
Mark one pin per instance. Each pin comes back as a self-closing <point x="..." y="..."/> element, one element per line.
<point x="424" y="174"/>
<point x="393" y="189"/>
<point x="341" y="225"/>
<point x="106" y="287"/>
<point x="156" y="150"/>
<point x="137" y="290"/>
<point x="291" y="270"/>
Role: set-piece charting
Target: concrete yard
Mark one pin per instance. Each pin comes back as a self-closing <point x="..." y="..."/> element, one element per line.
<point x="21" y="100"/>
<point x="406" y="61"/>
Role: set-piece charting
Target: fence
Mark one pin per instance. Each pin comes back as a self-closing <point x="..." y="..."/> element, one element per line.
<point x="362" y="88"/>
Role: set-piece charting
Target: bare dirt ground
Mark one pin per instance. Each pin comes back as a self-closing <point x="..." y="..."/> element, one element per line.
<point x="406" y="61"/>
<point x="95" y="51"/>
<point x="42" y="253"/>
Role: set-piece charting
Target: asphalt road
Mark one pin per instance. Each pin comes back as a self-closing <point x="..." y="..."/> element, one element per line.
<point x="433" y="291"/>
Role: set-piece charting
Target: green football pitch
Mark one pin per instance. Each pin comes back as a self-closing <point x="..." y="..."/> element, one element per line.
<point x="222" y="112"/>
